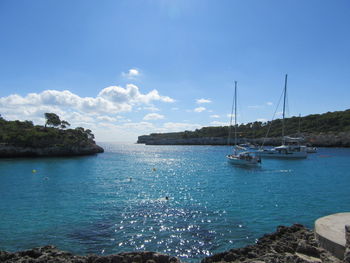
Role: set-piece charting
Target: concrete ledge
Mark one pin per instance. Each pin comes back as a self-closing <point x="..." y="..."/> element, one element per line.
<point x="330" y="233"/>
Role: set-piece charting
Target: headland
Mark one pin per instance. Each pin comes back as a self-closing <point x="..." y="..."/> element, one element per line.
<point x="24" y="139"/>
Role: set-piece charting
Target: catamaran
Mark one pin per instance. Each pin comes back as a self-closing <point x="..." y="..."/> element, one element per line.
<point x="291" y="147"/>
<point x="240" y="155"/>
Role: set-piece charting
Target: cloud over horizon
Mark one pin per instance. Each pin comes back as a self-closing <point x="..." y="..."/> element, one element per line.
<point x="153" y="116"/>
<point x="199" y="109"/>
<point x="82" y="111"/>
<point x="113" y="99"/>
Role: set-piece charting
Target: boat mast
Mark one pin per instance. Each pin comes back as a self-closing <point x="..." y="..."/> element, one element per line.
<point x="284" y="108"/>
<point x="230" y="127"/>
<point x="235" y="112"/>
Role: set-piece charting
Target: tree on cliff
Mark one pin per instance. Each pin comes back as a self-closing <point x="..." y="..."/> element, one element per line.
<point x="89" y="134"/>
<point x="64" y="124"/>
<point x="54" y="120"/>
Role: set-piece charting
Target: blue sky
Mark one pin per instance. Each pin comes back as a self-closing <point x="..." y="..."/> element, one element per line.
<point x="127" y="68"/>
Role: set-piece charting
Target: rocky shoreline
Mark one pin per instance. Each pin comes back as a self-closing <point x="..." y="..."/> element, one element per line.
<point x="288" y="244"/>
<point x="9" y="151"/>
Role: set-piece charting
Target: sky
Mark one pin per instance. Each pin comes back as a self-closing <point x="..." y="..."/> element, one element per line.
<point x="132" y="67"/>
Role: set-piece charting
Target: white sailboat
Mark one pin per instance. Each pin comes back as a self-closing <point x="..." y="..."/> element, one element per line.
<point x="240" y="155"/>
<point x="290" y="148"/>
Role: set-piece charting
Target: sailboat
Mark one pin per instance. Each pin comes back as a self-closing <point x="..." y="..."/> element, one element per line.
<point x="240" y="155"/>
<point x="309" y="148"/>
<point x="290" y="148"/>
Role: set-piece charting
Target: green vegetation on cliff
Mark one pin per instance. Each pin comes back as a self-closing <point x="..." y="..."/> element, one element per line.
<point x="330" y="122"/>
<point x="26" y="134"/>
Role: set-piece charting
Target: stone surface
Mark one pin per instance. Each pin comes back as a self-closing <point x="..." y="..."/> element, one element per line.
<point x="330" y="233"/>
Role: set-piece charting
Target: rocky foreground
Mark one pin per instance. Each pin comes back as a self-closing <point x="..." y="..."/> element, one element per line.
<point x="288" y="244"/>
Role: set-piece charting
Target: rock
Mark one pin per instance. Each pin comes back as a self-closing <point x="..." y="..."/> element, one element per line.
<point x="307" y="249"/>
<point x="347" y="244"/>
<point x="33" y="253"/>
<point x="116" y="259"/>
<point x="137" y="259"/>
<point x="230" y="257"/>
<point x="294" y="244"/>
<point x="159" y="258"/>
<point x="5" y="256"/>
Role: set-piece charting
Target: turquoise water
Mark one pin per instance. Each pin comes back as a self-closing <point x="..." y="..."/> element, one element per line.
<point x="90" y="205"/>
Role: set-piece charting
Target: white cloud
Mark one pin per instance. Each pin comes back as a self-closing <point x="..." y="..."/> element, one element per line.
<point x="200" y="101"/>
<point x="229" y="115"/>
<point x="153" y="116"/>
<point x="112" y="99"/>
<point x="199" y="109"/>
<point x="219" y="123"/>
<point x="131" y="95"/>
<point x="131" y="74"/>
<point x="77" y="110"/>
<point x="107" y="118"/>
<point x="262" y="120"/>
<point x="179" y="126"/>
<point x="124" y="120"/>
<point x="129" y="131"/>
<point x="269" y="103"/>
<point x="140" y="126"/>
<point x="151" y="108"/>
<point x="125" y="132"/>
<point x="214" y="116"/>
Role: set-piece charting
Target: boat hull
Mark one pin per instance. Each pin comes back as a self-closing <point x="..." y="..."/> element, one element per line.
<point x="311" y="150"/>
<point x="243" y="162"/>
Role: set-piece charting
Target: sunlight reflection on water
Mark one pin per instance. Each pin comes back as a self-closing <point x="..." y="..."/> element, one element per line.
<point x="116" y="201"/>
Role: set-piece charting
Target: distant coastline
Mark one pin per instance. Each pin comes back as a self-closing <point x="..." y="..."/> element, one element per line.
<point x="318" y="140"/>
<point x="331" y="129"/>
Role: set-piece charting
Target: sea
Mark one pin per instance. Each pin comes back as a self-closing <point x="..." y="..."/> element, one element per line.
<point x="185" y="201"/>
